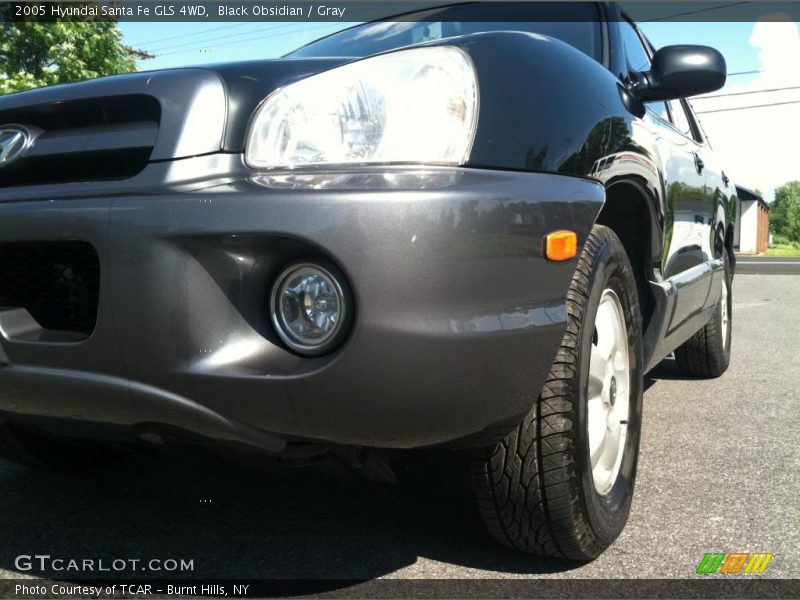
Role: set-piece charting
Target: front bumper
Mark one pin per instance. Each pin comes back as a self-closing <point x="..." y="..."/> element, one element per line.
<point x="457" y="314"/>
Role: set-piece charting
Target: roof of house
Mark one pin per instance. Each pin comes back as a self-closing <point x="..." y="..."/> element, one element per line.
<point x="748" y="194"/>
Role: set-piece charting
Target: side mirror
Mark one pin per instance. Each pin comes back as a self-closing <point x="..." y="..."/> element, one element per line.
<point x="681" y="71"/>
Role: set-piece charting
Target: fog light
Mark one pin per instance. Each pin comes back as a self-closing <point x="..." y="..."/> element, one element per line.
<point x="309" y="308"/>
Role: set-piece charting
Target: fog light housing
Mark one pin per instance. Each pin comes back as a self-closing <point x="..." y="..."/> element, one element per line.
<point x="310" y="309"/>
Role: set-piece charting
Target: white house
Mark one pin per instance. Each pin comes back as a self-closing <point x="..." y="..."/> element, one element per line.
<point x="751" y="235"/>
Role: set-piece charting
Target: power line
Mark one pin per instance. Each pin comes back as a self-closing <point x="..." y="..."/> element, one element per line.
<point x="694" y="12"/>
<point x="160" y="49"/>
<point x="746" y="73"/>
<point x="221" y="37"/>
<point x="224" y="37"/>
<point x="183" y="35"/>
<point x="780" y="89"/>
<point x="235" y="25"/>
<point x="260" y="36"/>
<point x="705" y="112"/>
<point x="249" y="39"/>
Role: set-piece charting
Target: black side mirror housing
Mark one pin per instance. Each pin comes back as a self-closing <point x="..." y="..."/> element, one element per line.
<point x="681" y="71"/>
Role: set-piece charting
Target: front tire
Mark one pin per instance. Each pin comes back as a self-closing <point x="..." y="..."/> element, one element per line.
<point x="561" y="483"/>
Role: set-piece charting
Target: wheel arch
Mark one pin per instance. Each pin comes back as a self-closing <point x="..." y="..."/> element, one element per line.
<point x="630" y="211"/>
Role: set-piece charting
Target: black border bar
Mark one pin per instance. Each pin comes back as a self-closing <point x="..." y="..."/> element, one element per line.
<point x="361" y="10"/>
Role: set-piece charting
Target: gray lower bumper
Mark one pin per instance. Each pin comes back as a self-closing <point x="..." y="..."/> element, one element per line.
<point x="457" y="313"/>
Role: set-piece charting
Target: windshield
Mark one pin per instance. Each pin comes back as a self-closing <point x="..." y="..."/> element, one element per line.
<point x="576" y="24"/>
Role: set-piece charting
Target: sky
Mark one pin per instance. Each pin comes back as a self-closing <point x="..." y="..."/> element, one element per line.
<point x="757" y="147"/>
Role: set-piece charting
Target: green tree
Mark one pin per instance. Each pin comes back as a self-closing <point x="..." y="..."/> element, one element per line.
<point x="784" y="212"/>
<point x="35" y="53"/>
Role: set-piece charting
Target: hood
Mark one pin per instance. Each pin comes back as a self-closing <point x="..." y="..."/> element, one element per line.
<point x="248" y="83"/>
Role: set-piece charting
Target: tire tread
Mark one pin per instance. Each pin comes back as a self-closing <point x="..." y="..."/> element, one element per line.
<point x="527" y="486"/>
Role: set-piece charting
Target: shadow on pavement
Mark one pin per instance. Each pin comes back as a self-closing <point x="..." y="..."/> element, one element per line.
<point x="666" y="370"/>
<point x="312" y="523"/>
<point x="319" y="522"/>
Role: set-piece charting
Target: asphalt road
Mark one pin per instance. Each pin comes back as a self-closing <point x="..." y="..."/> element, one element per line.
<point x="719" y="470"/>
<point x="768" y="265"/>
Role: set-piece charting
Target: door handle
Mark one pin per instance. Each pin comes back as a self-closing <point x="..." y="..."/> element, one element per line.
<point x="698" y="163"/>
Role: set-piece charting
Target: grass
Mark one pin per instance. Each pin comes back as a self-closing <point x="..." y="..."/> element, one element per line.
<point x="783" y="250"/>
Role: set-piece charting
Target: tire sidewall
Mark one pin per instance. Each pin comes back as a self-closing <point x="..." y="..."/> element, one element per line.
<point x="727" y="281"/>
<point x="719" y="351"/>
<point x="608" y="514"/>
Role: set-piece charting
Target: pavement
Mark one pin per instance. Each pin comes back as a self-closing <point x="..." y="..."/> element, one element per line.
<point x="719" y="470"/>
<point x="768" y="265"/>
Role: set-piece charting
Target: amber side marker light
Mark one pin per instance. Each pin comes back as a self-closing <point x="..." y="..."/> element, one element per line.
<point x="561" y="245"/>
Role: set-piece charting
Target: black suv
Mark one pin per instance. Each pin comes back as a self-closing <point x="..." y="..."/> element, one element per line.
<point x="473" y="228"/>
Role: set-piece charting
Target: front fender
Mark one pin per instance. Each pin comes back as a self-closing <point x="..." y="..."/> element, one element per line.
<point x="544" y="105"/>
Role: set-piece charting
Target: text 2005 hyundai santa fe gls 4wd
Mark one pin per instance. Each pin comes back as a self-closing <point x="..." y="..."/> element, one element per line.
<point x="475" y="231"/>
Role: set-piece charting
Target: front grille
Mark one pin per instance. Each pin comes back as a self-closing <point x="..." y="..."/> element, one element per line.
<point x="95" y="139"/>
<point x="58" y="283"/>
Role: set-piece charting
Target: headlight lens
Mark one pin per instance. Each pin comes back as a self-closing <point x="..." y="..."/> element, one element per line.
<point x="418" y="105"/>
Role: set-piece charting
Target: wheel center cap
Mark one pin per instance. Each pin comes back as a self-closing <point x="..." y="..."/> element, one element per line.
<point x="612" y="390"/>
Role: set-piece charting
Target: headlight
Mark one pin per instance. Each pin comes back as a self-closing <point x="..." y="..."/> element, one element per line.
<point x="418" y="105"/>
